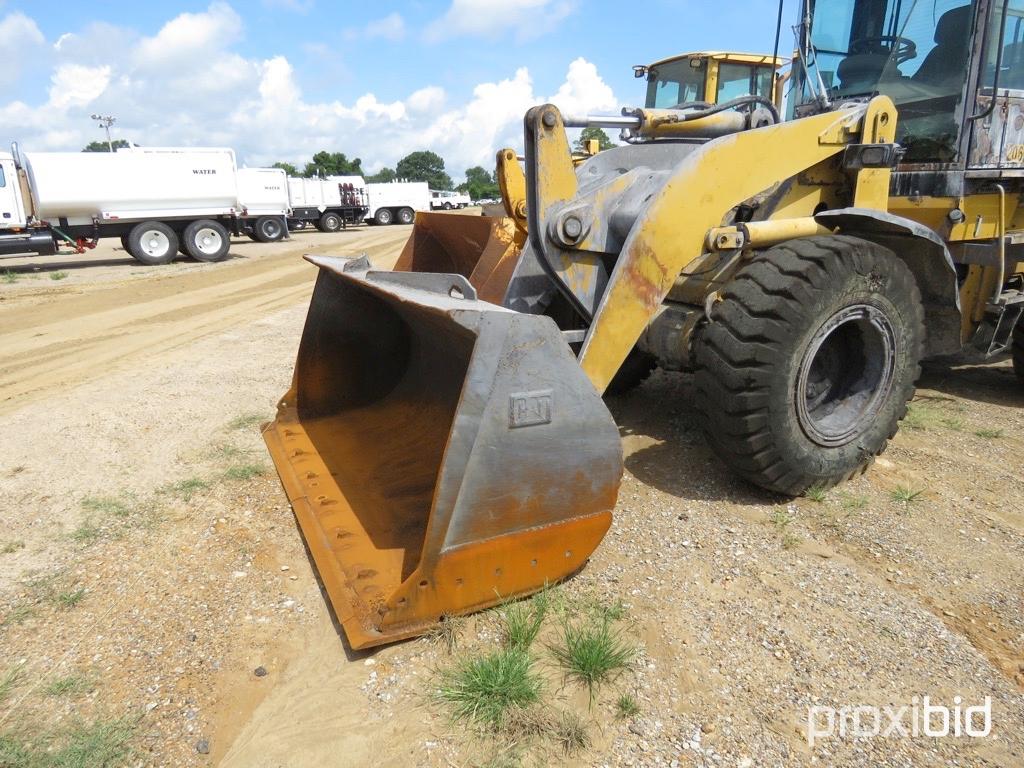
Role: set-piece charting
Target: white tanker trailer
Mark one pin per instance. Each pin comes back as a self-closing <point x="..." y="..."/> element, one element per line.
<point x="156" y="200"/>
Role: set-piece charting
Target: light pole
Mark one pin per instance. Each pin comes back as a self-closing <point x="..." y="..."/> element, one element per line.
<point x="106" y="121"/>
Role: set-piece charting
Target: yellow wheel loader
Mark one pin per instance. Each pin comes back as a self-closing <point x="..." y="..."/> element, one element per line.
<point x="445" y="445"/>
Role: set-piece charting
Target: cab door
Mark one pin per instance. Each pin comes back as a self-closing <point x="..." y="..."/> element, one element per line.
<point x="998" y="137"/>
<point x="12" y="213"/>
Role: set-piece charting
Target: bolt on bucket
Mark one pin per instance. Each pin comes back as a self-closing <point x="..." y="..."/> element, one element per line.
<point x="483" y="249"/>
<point x="441" y="453"/>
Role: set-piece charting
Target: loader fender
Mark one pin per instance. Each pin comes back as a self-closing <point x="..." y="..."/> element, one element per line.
<point x="928" y="258"/>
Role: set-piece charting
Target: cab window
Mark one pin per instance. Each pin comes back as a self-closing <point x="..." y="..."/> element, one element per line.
<point x="3" y="179"/>
<point x="675" y="82"/>
<point x="735" y="80"/>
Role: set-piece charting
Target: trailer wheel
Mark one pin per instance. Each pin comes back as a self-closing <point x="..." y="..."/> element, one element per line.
<point x="406" y="215"/>
<point x="384" y="216"/>
<point x="206" y="240"/>
<point x="268" y="229"/>
<point x="153" y="243"/>
<point x="807" y="361"/>
<point x="330" y="222"/>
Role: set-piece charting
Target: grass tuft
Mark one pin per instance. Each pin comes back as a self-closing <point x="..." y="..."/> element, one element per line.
<point x="11" y="547"/>
<point x="853" y="501"/>
<point x="816" y="493"/>
<point x="9" y="681"/>
<point x="247" y="421"/>
<point x="790" y="540"/>
<point x="9" y="277"/>
<point x="70" y="685"/>
<point x="447" y="632"/>
<point x="905" y="495"/>
<point x="58" y="275"/>
<point x="186" y="489"/>
<point x="781" y="518"/>
<point x="570" y="733"/>
<point x="69" y="598"/>
<point x="87" y="533"/>
<point x="521" y="623"/>
<point x="19" y="614"/>
<point x="484" y="689"/>
<point x="106" y="505"/>
<point x="626" y="706"/>
<point x="592" y="653"/>
<point x="990" y="434"/>
<point x="244" y="472"/>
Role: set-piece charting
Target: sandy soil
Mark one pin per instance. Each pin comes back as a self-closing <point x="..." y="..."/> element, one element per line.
<point x="148" y="548"/>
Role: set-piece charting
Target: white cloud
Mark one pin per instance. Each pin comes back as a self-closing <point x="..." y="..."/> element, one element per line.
<point x="20" y="41"/>
<point x="495" y="19"/>
<point x="391" y="27"/>
<point x="257" y="105"/>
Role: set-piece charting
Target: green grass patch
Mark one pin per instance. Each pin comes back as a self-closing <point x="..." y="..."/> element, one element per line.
<point x="247" y="421"/>
<point x="100" y="744"/>
<point x="186" y="489"/>
<point x="816" y="493"/>
<point x="9" y="681"/>
<point x="483" y="689"/>
<point x="905" y="495"/>
<point x="626" y="706"/>
<point x="781" y="518"/>
<point x="106" y="505"/>
<point x="68" y="599"/>
<point x="58" y="275"/>
<point x="592" y="653"/>
<point x="853" y="501"/>
<point x="521" y="623"/>
<point x="19" y="614"/>
<point x="70" y="686"/>
<point x="7" y="276"/>
<point x="990" y="434"/>
<point x="87" y="533"/>
<point x="11" y="547"/>
<point x="244" y="472"/>
<point x="790" y="540"/>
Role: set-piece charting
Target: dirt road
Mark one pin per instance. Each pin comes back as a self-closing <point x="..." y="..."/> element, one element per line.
<point x="156" y="598"/>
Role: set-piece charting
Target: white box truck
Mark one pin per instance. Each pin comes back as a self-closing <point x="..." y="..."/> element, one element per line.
<point x="397" y="201"/>
<point x="157" y="200"/>
<point x="444" y="199"/>
<point x="328" y="204"/>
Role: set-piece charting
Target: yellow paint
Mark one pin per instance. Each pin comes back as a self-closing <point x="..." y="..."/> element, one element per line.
<point x="512" y="183"/>
<point x="672" y="230"/>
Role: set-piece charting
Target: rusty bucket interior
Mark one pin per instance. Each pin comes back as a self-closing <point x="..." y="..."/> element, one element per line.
<point x="440" y="453"/>
<point x="483" y="249"/>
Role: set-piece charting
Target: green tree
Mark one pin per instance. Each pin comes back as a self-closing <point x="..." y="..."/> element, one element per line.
<point x="383" y="176"/>
<point x="288" y="168"/>
<point x="102" y="146"/>
<point x="332" y="164"/>
<point x="593" y="132"/>
<point x="479" y="183"/>
<point x="424" y="166"/>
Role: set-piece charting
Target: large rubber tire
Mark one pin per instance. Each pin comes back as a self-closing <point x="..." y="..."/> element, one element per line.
<point x="269" y="229"/>
<point x="206" y="240"/>
<point x="632" y="373"/>
<point x="153" y="243"/>
<point x="1017" y="350"/>
<point x="330" y="222"/>
<point x="384" y="216"/>
<point x="405" y="216"/>
<point x="807" y="362"/>
<point x="124" y="241"/>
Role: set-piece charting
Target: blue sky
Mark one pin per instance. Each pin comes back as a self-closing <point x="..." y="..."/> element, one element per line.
<point x="277" y="79"/>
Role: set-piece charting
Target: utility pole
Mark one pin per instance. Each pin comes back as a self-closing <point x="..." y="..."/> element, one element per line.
<point x="106" y="121"/>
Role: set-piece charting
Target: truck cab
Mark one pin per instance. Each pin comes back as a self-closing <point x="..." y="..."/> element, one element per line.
<point x="709" y="77"/>
<point x="447" y="200"/>
<point x="12" y="209"/>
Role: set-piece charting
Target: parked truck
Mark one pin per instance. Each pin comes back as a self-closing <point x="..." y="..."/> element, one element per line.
<point x="156" y="200"/>
<point x="444" y="199"/>
<point x="328" y="204"/>
<point x="397" y="201"/>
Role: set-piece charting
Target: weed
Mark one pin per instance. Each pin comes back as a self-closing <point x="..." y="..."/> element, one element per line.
<point x="18" y="615"/>
<point x="10" y="277"/>
<point x="483" y="689"/>
<point x="521" y="623"/>
<point x="244" y="472"/>
<point x="551" y="601"/>
<point x="69" y="598"/>
<point x="626" y="706"/>
<point x="246" y="421"/>
<point x="852" y="501"/>
<point x="58" y="275"/>
<point x="905" y="495"/>
<point x="817" y="493"/>
<point x="990" y="434"/>
<point x="9" y="680"/>
<point x="954" y="423"/>
<point x="186" y="489"/>
<point x="11" y="547"/>
<point x="71" y="685"/>
<point x="87" y="533"/>
<point x="447" y="632"/>
<point x="781" y="518"/>
<point x="921" y="417"/>
<point x="570" y="733"/>
<point x="592" y="653"/>
<point x="790" y="540"/>
<point x="106" y="505"/>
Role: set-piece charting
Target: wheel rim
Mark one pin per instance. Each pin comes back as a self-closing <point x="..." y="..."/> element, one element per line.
<point x="332" y="222"/>
<point x="154" y="243"/>
<point x="208" y="241"/>
<point x="271" y="229"/>
<point x="846" y="375"/>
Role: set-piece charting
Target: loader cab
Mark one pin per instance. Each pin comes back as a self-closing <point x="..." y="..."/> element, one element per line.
<point x="943" y="63"/>
<point x="707" y="78"/>
<point x="12" y="212"/>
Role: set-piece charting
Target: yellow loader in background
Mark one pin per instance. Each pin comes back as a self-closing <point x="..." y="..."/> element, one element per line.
<point x="443" y="452"/>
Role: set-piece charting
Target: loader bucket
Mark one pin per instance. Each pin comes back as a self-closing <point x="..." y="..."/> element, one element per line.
<point x="483" y="249"/>
<point x="441" y="454"/>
